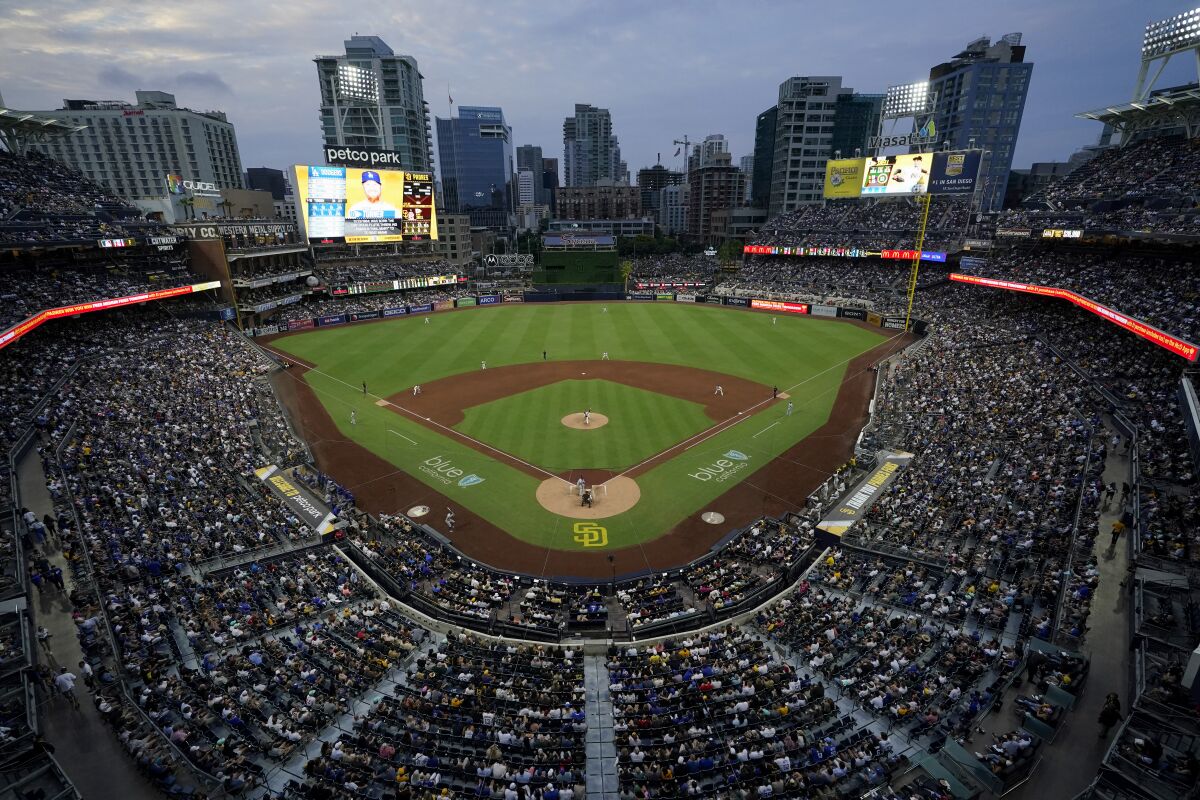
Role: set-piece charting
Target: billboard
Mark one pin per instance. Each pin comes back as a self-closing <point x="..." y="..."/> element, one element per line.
<point x="954" y="173"/>
<point x="778" y="305"/>
<point x="899" y="174"/>
<point x="1180" y="347"/>
<point x="843" y="177"/>
<point x="354" y="206"/>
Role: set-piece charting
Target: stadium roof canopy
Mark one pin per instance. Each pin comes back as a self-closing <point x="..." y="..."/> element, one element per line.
<point x="19" y="129"/>
<point x="1169" y="108"/>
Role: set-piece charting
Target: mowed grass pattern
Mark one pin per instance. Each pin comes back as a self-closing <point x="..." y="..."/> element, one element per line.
<point x="529" y="425"/>
<point x="804" y="355"/>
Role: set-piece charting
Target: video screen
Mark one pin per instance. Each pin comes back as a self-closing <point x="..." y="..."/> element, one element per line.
<point x="899" y="174"/>
<point x="354" y="206"/>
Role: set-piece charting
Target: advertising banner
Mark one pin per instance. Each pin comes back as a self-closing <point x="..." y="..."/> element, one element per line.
<point x="422" y="309"/>
<point x="873" y="318"/>
<point x="685" y="298"/>
<point x="489" y="299"/>
<point x="895" y="175"/>
<point x="395" y="312"/>
<point x="852" y="313"/>
<point x="741" y="302"/>
<point x="855" y="505"/>
<point x="353" y="205"/>
<point x="823" y="311"/>
<point x="954" y="173"/>
<point x="909" y="255"/>
<point x="443" y="305"/>
<point x="1014" y="233"/>
<point x="301" y="324"/>
<point x="641" y="296"/>
<point x="779" y="305"/>
<point x="843" y="177"/>
<point x="227" y="313"/>
<point x="893" y="323"/>
<point x="1060" y="233"/>
<point x="298" y="499"/>
<point x="1179" y="347"/>
<point x="971" y="262"/>
<point x="332" y="319"/>
<point x="713" y="299"/>
<point x="463" y="302"/>
<point x="664" y="296"/>
<point x="30" y="323"/>
<point x="977" y="244"/>
<point x="355" y="317"/>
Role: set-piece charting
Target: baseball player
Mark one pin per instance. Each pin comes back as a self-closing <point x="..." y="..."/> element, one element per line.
<point x="774" y="320"/>
<point x="450" y="519"/>
<point x="416" y="390"/>
<point x="587" y="416"/>
<point x="604" y="356"/>
<point x="581" y="484"/>
<point x="719" y="391"/>
<point x="427" y="320"/>
<point x="483" y="365"/>
<point x="774" y="392"/>
<point x="586" y="500"/>
<point x="789" y="409"/>
<point x="364" y="388"/>
<point x="353" y="417"/>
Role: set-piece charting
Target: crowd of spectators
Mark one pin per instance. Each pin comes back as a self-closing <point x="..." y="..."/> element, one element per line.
<point x="673" y="268"/>
<point x="888" y="223"/>
<point x="364" y="303"/>
<point x="373" y="270"/>
<point x="857" y="282"/>
<point x="1156" y="168"/>
<point x="1164" y="292"/>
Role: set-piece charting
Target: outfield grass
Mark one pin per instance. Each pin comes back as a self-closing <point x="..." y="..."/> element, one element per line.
<point x="802" y="355"/>
<point x="528" y="425"/>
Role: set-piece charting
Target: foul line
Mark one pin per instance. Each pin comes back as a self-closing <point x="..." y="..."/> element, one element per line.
<point x="746" y="413"/>
<point x="764" y="430"/>
<point x="401" y="435"/>
<point x="448" y="430"/>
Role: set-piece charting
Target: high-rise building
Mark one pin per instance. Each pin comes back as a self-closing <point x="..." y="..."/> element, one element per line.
<point x="476" y="158"/>
<point x="713" y="185"/>
<point x="746" y="165"/>
<point x="529" y="157"/>
<point x="265" y="179"/>
<point x="131" y="149"/>
<point x="591" y="153"/>
<point x="704" y="152"/>
<point x="651" y="181"/>
<point x="550" y="179"/>
<point x="371" y="97"/>
<point x="764" y="157"/>
<point x="856" y="120"/>
<point x="606" y="200"/>
<point x="673" y="209"/>
<point x="805" y="127"/>
<point x="978" y="100"/>
<point x="526" y="187"/>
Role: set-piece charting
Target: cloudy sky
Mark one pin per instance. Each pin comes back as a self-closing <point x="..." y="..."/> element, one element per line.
<point x="664" y="69"/>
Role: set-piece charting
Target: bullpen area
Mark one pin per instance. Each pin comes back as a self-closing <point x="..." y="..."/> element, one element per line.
<point x="578" y="439"/>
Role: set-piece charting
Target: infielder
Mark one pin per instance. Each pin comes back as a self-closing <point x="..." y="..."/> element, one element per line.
<point x="416" y="390"/>
<point x="719" y="391"/>
<point x="353" y="417"/>
<point x="483" y="365"/>
<point x="604" y="356"/>
<point x="587" y="417"/>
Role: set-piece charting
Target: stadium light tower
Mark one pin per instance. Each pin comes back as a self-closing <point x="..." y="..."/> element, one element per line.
<point x="1163" y="39"/>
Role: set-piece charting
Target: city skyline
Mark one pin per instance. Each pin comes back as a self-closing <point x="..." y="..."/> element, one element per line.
<point x="537" y="63"/>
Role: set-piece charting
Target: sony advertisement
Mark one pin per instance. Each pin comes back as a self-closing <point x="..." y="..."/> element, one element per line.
<point x="355" y="206"/>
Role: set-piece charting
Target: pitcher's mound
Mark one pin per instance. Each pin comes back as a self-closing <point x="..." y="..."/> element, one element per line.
<point x="559" y="497"/>
<point x="576" y="421"/>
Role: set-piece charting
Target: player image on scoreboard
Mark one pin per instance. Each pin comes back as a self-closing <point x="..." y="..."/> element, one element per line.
<point x="899" y="174"/>
<point x="344" y="204"/>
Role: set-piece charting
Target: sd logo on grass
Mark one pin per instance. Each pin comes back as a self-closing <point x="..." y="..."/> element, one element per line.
<point x="589" y="534"/>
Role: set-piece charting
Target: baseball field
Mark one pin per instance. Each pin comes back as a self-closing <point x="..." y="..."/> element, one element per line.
<point x="496" y="431"/>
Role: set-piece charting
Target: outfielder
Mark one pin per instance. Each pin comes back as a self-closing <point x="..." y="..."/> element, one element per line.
<point x="483" y="365"/>
<point x="427" y="320"/>
<point x="353" y="417"/>
<point x="789" y="409"/>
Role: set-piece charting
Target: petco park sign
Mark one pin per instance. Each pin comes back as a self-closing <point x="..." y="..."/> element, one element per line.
<point x="362" y="157"/>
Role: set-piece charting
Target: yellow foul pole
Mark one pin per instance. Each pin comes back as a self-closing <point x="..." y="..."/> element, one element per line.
<point x="916" y="263"/>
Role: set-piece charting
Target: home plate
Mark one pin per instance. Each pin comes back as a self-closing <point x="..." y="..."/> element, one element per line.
<point x="418" y="511"/>
<point x="712" y="517"/>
